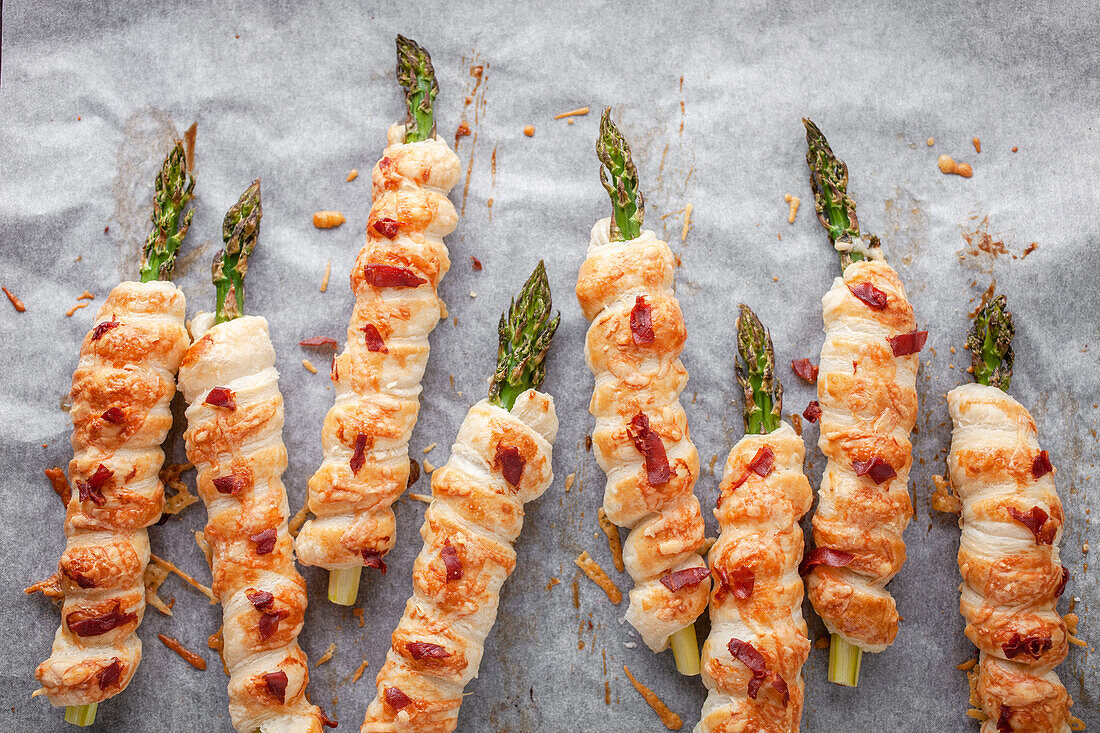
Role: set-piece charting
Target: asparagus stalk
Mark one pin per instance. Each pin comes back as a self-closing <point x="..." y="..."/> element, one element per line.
<point x="756" y="374"/>
<point x="174" y="187"/>
<point x="837" y="213"/>
<point x="620" y="177"/>
<point x="416" y="75"/>
<point x="525" y="329"/>
<point x="173" y="191"/>
<point x="990" y="344"/>
<point x="240" y="230"/>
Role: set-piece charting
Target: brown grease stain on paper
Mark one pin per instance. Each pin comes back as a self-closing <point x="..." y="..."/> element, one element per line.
<point x="475" y="97"/>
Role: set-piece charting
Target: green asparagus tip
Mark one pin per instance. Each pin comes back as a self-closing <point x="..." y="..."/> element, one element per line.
<point x="620" y="177"/>
<point x="174" y="188"/>
<point x="990" y="344"/>
<point x="526" y="330"/>
<point x="829" y="180"/>
<point x="240" y="231"/>
<point x="416" y="75"/>
<point x="756" y="374"/>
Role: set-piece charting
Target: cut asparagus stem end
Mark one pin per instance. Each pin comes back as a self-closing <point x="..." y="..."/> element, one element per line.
<point x="343" y="585"/>
<point x="844" y="662"/>
<point x="685" y="648"/>
<point x="82" y="715"/>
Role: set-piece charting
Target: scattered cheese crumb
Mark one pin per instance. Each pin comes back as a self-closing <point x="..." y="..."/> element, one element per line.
<point x="552" y="583"/>
<point x="598" y="576"/>
<point x="670" y="719"/>
<point x="205" y="590"/>
<point x="630" y="644"/>
<point x="977" y="145"/>
<point x="86" y="295"/>
<point x="967" y="665"/>
<point x="943" y="498"/>
<point x="324" y="279"/>
<point x="687" y="223"/>
<point x="473" y="293"/>
<point x="358" y="613"/>
<point x="309" y="365"/>
<point x="430" y="448"/>
<point x="327" y="655"/>
<point x="359" y="671"/>
<point x="572" y="113"/>
<point x="421" y="497"/>
<point x="428" y="467"/>
<point x="930" y="141"/>
<point x="298" y="520"/>
<point x="72" y="310"/>
<point x="948" y="166"/>
<point x="569" y="121"/>
<point x="529" y="131"/>
<point x="569" y="481"/>
<point x="170" y="476"/>
<point x="328" y="219"/>
<point x="186" y="654"/>
<point x="352" y="175"/>
<point x="154" y="578"/>
<point x="794" y="202"/>
<point x="613" y="540"/>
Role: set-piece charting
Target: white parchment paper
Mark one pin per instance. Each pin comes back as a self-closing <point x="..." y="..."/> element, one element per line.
<point x="710" y="96"/>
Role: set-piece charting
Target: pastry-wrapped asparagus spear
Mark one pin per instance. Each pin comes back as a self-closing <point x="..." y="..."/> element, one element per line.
<point x="752" y="660"/>
<point x="866" y="390"/>
<point x="499" y="462"/>
<point x="641" y="436"/>
<point x="234" y="438"/>
<point x="377" y="377"/>
<point x="120" y="397"/>
<point x="1011" y="524"/>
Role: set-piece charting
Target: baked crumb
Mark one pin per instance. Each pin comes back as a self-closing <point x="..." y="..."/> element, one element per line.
<point x="948" y="166"/>
<point x="170" y="476"/>
<point x="352" y="175"/>
<point x="328" y="219"/>
<point x="1015" y="149"/>
<point x="188" y="656"/>
<point x="205" y="590"/>
<point x="299" y="518"/>
<point x="930" y="141"/>
<point x="977" y="145"/>
<point x="324" y="278"/>
<point x="552" y="583"/>
<point x="529" y="131"/>
<point x="86" y="295"/>
<point x="670" y="719"/>
<point x="793" y="203"/>
<point x="429" y="449"/>
<point x="358" y="613"/>
<point x="967" y="665"/>
<point x="569" y="481"/>
<point x="572" y="113"/>
<point x="421" y="497"/>
<point x="359" y="671"/>
<point x="329" y="653"/>
<point x="59" y="483"/>
<point x="613" y="540"/>
<point x="309" y="366"/>
<point x="154" y="578"/>
<point x="74" y="309"/>
<point x="944" y="498"/>
<point x="823" y="642"/>
<point x="428" y="467"/>
<point x="598" y="576"/>
<point x="50" y="587"/>
<point x="687" y="223"/>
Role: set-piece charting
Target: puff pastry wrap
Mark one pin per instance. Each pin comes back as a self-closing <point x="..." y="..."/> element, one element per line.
<point x="377" y="391"/>
<point x="666" y="524"/>
<point x="760" y="534"/>
<point x="1011" y="582"/>
<point x="475" y="516"/>
<point x="127" y="371"/>
<point x="868" y="408"/>
<point x="242" y="449"/>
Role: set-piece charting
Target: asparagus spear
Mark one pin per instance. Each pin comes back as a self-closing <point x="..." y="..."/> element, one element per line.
<point x="837" y="213"/>
<point x="990" y="344"/>
<point x="619" y="177"/>
<point x="628" y="204"/>
<point x="173" y="190"/>
<point x="763" y="410"/>
<point x="239" y="232"/>
<point x="416" y="75"/>
<point x="525" y="329"/>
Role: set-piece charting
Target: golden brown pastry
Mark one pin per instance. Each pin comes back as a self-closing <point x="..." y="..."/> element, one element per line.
<point x="499" y="462"/>
<point x="234" y="438"/>
<point x="866" y="391"/>
<point x="752" y="660"/>
<point x="1012" y="577"/>
<point x="641" y="437"/>
<point x="121" y="393"/>
<point x="377" y="376"/>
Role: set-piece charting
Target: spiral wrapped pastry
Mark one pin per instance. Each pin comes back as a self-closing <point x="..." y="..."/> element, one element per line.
<point x="366" y="434"/>
<point x="866" y="390"/>
<point x="500" y="461"/>
<point x="641" y="436"/>
<point x="120" y="396"/>
<point x="234" y="438"/>
<point x="1008" y="556"/>
<point x="752" y="660"/>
